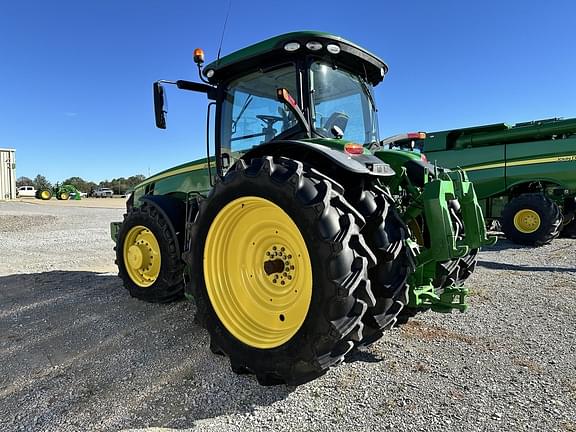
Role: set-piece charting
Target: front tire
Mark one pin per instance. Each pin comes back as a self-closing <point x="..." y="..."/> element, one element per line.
<point x="286" y="323"/>
<point x="531" y="219"/>
<point x="146" y="256"/>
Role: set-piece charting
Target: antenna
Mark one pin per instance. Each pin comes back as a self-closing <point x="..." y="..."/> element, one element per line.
<point x="224" y="28"/>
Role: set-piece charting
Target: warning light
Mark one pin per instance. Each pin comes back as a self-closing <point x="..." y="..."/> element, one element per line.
<point x="199" y="56"/>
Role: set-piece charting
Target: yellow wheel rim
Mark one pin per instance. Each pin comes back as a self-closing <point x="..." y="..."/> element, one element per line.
<point x="45" y="195"/>
<point x="258" y="272"/>
<point x="142" y="258"/>
<point x="64" y="196"/>
<point x="527" y="221"/>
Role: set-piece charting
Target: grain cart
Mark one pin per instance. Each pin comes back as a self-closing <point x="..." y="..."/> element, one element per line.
<point x="61" y="192"/>
<point x="523" y="174"/>
<point x="289" y="238"/>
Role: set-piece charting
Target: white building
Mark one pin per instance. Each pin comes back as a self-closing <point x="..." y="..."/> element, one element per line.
<point x="7" y="174"/>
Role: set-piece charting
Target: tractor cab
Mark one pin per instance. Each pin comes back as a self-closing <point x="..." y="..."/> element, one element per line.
<point x="304" y="86"/>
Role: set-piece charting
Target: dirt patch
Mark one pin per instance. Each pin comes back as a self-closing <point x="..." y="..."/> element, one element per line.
<point x="418" y="329"/>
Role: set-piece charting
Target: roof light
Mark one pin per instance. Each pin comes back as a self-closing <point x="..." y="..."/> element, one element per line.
<point x="199" y="56"/>
<point x="314" y="45"/>
<point x="292" y="46"/>
<point x="417" y="135"/>
<point x="354" y="149"/>
<point x="210" y="73"/>
<point x="333" y="48"/>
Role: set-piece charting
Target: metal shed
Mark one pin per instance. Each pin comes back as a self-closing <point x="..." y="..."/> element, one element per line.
<point x="7" y="174"/>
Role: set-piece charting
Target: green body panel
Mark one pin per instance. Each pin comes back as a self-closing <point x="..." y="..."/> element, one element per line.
<point x="178" y="181"/>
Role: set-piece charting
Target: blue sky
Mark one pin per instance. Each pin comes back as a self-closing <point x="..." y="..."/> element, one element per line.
<point x="77" y="75"/>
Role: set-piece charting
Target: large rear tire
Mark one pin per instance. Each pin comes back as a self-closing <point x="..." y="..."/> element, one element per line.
<point x="146" y="255"/>
<point x="286" y="318"/>
<point x="531" y="219"/>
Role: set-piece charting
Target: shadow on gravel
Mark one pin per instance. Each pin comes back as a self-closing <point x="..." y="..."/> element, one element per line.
<point x="78" y="353"/>
<point x="503" y="266"/>
<point x="504" y="244"/>
<point x="360" y="355"/>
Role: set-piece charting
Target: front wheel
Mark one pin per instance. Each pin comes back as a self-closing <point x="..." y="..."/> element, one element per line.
<point x="280" y="271"/>
<point x="531" y="219"/>
<point x="146" y="256"/>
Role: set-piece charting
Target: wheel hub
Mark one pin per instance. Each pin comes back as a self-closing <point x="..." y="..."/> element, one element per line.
<point x="135" y="257"/>
<point x="279" y="265"/>
<point x="142" y="257"/>
<point x="527" y="221"/>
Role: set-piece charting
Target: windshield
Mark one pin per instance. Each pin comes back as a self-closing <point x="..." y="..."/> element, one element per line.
<point x="251" y="114"/>
<point x="343" y="100"/>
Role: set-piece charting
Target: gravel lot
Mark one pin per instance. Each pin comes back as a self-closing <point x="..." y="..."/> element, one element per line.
<point x="77" y="353"/>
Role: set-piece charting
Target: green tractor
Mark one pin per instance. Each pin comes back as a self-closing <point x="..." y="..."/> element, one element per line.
<point x="295" y="241"/>
<point x="61" y="192"/>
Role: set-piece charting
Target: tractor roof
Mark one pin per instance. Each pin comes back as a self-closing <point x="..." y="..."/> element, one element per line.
<point x="272" y="51"/>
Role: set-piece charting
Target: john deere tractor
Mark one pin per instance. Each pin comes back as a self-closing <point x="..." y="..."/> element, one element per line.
<point x="61" y="192"/>
<point x="296" y="242"/>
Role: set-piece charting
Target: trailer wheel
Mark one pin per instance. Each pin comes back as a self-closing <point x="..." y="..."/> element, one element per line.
<point x="531" y="219"/>
<point x="280" y="271"/>
<point x="146" y="257"/>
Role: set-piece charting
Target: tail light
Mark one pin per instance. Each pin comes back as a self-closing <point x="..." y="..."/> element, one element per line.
<point x="354" y="149"/>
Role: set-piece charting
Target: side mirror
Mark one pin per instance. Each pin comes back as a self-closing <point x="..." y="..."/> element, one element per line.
<point x="160" y="109"/>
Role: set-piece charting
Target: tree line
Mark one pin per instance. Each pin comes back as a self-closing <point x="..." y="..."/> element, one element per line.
<point x="118" y="185"/>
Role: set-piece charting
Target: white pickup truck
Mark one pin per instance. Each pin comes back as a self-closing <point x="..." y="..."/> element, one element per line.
<point x="26" y="191"/>
<point x="103" y="193"/>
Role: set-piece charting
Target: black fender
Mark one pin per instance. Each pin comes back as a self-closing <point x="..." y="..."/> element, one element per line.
<point x="174" y="212"/>
<point x="320" y="155"/>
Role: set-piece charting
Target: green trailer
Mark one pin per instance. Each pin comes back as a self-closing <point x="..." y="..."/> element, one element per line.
<point x="295" y="241"/>
<point x="523" y="174"/>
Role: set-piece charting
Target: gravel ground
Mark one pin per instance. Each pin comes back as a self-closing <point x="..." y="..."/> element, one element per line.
<point x="77" y="353"/>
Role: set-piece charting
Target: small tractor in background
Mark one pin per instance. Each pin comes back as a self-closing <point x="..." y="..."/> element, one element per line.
<point x="296" y="242"/>
<point x="61" y="192"/>
<point x="524" y="174"/>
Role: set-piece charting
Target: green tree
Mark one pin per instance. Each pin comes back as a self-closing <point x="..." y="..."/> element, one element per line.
<point x="41" y="182"/>
<point x="80" y="184"/>
<point x="24" y="181"/>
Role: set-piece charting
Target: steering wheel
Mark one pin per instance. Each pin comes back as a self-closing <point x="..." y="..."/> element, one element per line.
<point x="269" y="119"/>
